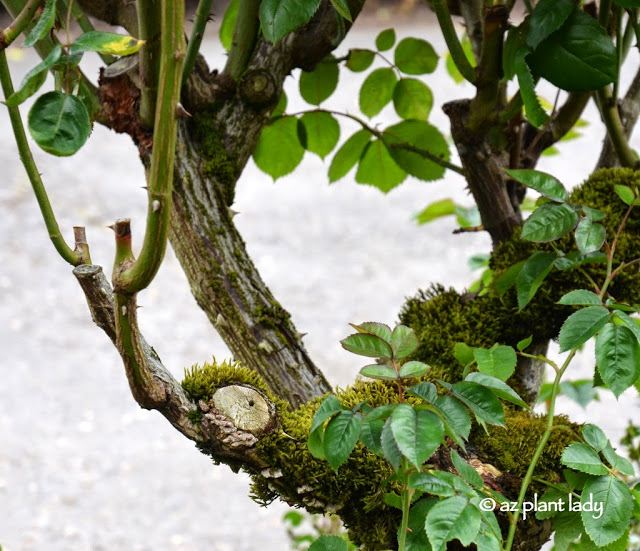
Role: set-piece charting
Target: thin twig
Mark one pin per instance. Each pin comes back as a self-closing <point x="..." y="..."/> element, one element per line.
<point x="197" y="34"/>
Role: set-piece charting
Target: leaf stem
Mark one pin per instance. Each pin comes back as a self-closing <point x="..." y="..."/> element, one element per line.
<point x="141" y="273"/>
<point x="453" y="43"/>
<point x="72" y="257"/>
<point x="245" y="34"/>
<point x="8" y="35"/>
<point x="197" y="34"/>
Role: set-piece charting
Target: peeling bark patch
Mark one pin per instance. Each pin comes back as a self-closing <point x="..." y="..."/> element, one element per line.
<point x="119" y="102"/>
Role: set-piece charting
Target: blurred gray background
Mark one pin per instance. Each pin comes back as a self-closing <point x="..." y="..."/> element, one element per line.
<point x="82" y="467"/>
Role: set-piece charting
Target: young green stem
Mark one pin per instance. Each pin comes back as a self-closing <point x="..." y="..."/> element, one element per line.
<point x="611" y="118"/>
<point x="245" y="34"/>
<point x="72" y="257"/>
<point x="149" y="29"/>
<point x="538" y="453"/>
<point x="138" y="276"/>
<point x="453" y="43"/>
<point x="8" y="35"/>
<point x="406" y="505"/>
<point x="195" y="40"/>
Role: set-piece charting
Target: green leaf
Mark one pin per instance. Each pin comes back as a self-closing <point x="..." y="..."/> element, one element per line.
<point x="367" y="345"/>
<point x="535" y="113"/>
<point x="437" y="209"/>
<point x="581" y="297"/>
<point x="106" y="43"/>
<point x="531" y="276"/>
<point x="514" y="46"/>
<point x="323" y="132"/>
<point x="455" y="416"/>
<point x="44" y="24"/>
<point x="280" y="17"/>
<point x="348" y="155"/>
<point x="412" y="99"/>
<point x="628" y="4"/>
<point x="452" y="518"/>
<point x="328" y="408"/>
<point x="508" y="279"/>
<point x="579" y="56"/>
<point x="385" y="40"/>
<point x="618" y="462"/>
<point x="342" y="8"/>
<point x="422" y="136"/>
<point x="317" y="85"/>
<point x="340" y="437"/>
<point x="618" y="357"/>
<point x="480" y="400"/>
<point x="499" y="361"/>
<point x="329" y="543"/>
<point x="547" y="17"/>
<point x="415" y="56"/>
<point x="390" y="449"/>
<point x="581" y="392"/>
<point x="500" y="389"/>
<point x="417" y="434"/>
<point x="381" y="330"/>
<point x="59" y="123"/>
<point x="279" y="151"/>
<point x="628" y="322"/>
<point x="524" y="343"/>
<point x="614" y="497"/>
<point x="430" y="484"/>
<point x="458" y="483"/>
<point x="582" y="458"/>
<point x="370" y="435"/>
<point x="580" y="326"/>
<point x="594" y="436"/>
<point x="380" y="372"/>
<point x="378" y="168"/>
<point x="549" y="222"/>
<point x="424" y="391"/>
<point x="228" y="24"/>
<point x="35" y="78"/>
<point x="315" y="443"/>
<point x="413" y="369"/>
<point x="587" y="544"/>
<point x="568" y="527"/>
<point x="377" y="91"/>
<point x="359" y="60"/>
<point x="595" y="215"/>
<point x="625" y="193"/>
<point x="590" y="236"/>
<point x="463" y="353"/>
<point x="545" y="184"/>
<point x="465" y="470"/>
<point x="403" y="341"/>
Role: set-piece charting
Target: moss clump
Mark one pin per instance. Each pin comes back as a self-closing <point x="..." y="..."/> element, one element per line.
<point x="511" y="448"/>
<point x="216" y="162"/>
<point x="441" y="318"/>
<point x="273" y="316"/>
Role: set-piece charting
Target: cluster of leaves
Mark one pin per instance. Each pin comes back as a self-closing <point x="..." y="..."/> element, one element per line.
<point x="385" y="157"/>
<point x="409" y="432"/>
<point x="617" y="334"/>
<point x="562" y="44"/>
<point x="594" y="504"/>
<point x="60" y="121"/>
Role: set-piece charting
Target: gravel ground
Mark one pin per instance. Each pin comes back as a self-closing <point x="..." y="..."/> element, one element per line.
<point x="81" y="466"/>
